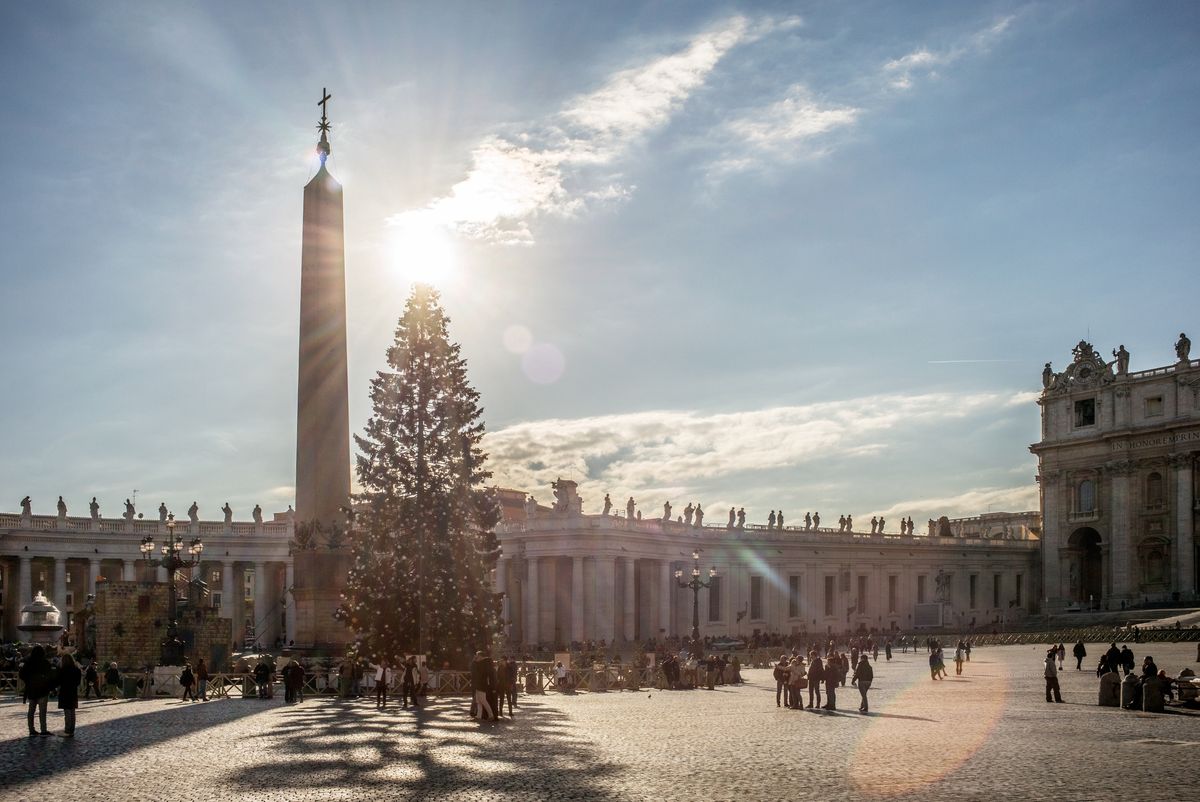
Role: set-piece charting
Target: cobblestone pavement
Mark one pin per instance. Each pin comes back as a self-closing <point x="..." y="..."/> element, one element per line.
<point x="985" y="735"/>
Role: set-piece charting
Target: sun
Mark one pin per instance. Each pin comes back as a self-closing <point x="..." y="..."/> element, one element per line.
<point x="423" y="253"/>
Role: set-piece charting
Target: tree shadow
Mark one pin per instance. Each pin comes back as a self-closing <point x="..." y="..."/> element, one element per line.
<point x="428" y="751"/>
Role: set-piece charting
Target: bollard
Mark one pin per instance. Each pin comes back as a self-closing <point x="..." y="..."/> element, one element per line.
<point x="1128" y="690"/>
<point x="1110" y="690"/>
<point x="1152" y="695"/>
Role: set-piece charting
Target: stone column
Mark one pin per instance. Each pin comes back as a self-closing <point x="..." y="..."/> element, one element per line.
<point x="93" y="572"/>
<point x="1053" y="538"/>
<point x="60" y="584"/>
<point x="577" y="599"/>
<point x="630" y="612"/>
<point x="666" y="582"/>
<point x="606" y="570"/>
<point x="261" y="605"/>
<point x="290" y="597"/>
<point x="505" y="605"/>
<point x="24" y="583"/>
<point x="129" y="570"/>
<point x="1119" y="551"/>
<point x="227" y="592"/>
<point x="531" y="603"/>
<point x="1184" y="530"/>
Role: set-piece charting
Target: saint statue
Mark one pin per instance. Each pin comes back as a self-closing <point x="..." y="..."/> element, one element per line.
<point x="1183" y="348"/>
<point x="1047" y="377"/>
<point x="741" y="518"/>
<point x="607" y="504"/>
<point x="688" y="511"/>
<point x="849" y="523"/>
<point x="194" y="513"/>
<point x="771" y="520"/>
<point x="881" y="522"/>
<point x="26" y="507"/>
<point x="94" y="509"/>
<point x="228" y="513"/>
<point x="942" y="584"/>
<point x="257" y="514"/>
<point x="874" y="524"/>
<point x="129" y="511"/>
<point x="699" y="516"/>
<point x="62" y="508"/>
<point x="816" y="520"/>
<point x="807" y="521"/>
<point x="732" y="517"/>
<point x="666" y="511"/>
<point x="779" y="520"/>
<point x="1122" y="360"/>
<point x="841" y="523"/>
<point x="162" y="512"/>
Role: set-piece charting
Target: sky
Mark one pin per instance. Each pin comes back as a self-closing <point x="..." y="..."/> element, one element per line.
<point x="797" y="256"/>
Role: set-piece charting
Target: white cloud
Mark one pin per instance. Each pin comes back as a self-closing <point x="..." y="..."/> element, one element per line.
<point x="901" y="73"/>
<point x="551" y="167"/>
<point x="669" y="453"/>
<point x="971" y="502"/>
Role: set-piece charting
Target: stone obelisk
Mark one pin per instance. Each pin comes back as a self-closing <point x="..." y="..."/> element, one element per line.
<point x="322" y="415"/>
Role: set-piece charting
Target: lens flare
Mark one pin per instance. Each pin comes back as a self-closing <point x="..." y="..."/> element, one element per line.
<point x="423" y="253"/>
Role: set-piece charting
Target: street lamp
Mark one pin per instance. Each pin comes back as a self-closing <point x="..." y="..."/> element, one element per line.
<point x="175" y="555"/>
<point x="695" y="583"/>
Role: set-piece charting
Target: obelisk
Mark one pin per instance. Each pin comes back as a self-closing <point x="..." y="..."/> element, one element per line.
<point x="322" y="408"/>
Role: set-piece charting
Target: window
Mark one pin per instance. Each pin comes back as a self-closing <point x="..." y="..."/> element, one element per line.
<point x="891" y="594"/>
<point x="1085" y="412"/>
<point x="68" y="577"/>
<point x="1154" y="406"/>
<point x="996" y="579"/>
<point x="1020" y="582"/>
<point x="861" y="604"/>
<point x="921" y="589"/>
<point x="793" y="597"/>
<point x="756" y="607"/>
<point x="828" y="596"/>
<point x="1085" y="496"/>
<point x="1154" y="490"/>
<point x="216" y="600"/>
<point x="714" y="599"/>
<point x="215" y="577"/>
<point x="70" y="600"/>
<point x="974" y="587"/>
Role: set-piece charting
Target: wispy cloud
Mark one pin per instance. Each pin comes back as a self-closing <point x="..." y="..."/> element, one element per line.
<point x="903" y="72"/>
<point x="788" y="129"/>
<point x="668" y="453"/>
<point x="971" y="502"/>
<point x="559" y="165"/>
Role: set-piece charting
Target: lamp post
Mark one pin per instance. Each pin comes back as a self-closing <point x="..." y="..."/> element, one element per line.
<point x="695" y="583"/>
<point x="175" y="555"/>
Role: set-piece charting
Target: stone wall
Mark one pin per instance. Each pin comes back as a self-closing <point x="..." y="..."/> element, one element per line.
<point x="131" y="622"/>
<point x="320" y="577"/>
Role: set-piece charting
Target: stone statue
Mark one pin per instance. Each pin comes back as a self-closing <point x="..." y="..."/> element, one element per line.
<point x="816" y="520"/>
<point x="1073" y="579"/>
<point x="741" y="518"/>
<point x="1122" y="360"/>
<point x="849" y="523"/>
<point x="129" y="511"/>
<point x="732" y="518"/>
<point x="910" y="526"/>
<point x="942" y="585"/>
<point x="874" y="524"/>
<point x="530" y="507"/>
<point x="666" y="511"/>
<point x="699" y="516"/>
<point x="688" y="512"/>
<point x="807" y="521"/>
<point x="89" y="627"/>
<point x="162" y="512"/>
<point x="629" y="508"/>
<point x="194" y="513"/>
<point x="841" y="523"/>
<point x="26" y="507"/>
<point x="881" y="522"/>
<point x="228" y="513"/>
<point x="291" y="514"/>
<point x="607" y="504"/>
<point x="94" y="509"/>
<point x="771" y="520"/>
<point x="1047" y="377"/>
<point x="257" y="514"/>
<point x="1183" y="348"/>
<point x="931" y="527"/>
<point x="639" y="515"/>
<point x="62" y="508"/>
<point x="779" y="520"/>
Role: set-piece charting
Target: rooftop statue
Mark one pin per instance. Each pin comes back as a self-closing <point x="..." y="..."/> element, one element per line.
<point x="1183" y="347"/>
<point x="228" y="513"/>
<point x="162" y="512"/>
<point x="129" y="511"/>
<point x="62" y="508"/>
<point x="194" y="513"/>
<point x="94" y="509"/>
<point x="257" y="514"/>
<point x="26" y="507"/>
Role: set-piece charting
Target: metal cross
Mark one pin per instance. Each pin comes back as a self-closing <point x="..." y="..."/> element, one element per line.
<point x="327" y="97"/>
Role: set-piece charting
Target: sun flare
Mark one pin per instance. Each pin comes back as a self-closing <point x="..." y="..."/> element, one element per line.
<point x="423" y="253"/>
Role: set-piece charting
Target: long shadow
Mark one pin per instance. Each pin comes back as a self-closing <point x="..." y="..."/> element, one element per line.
<point x="426" y="752"/>
<point x="24" y="760"/>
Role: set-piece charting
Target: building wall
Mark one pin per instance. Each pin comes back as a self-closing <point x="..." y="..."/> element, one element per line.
<point x="131" y="622"/>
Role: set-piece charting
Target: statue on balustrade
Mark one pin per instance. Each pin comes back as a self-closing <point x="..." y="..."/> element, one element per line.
<point x="26" y="507"/>
<point x="607" y="504"/>
<point x="841" y="523"/>
<point x="699" y="516"/>
<point x="257" y="514"/>
<point x="228" y="513"/>
<point x="94" y="509"/>
<point x="629" y="508"/>
<point x="910" y="525"/>
<point x="62" y="508"/>
<point x="741" y="518"/>
<point x="1183" y="348"/>
<point x="530" y="507"/>
<point x="688" y="511"/>
<point x="849" y="523"/>
<point x="816" y="520"/>
<point x="129" y="511"/>
<point x="942" y="585"/>
<point x="881" y="523"/>
<point x="194" y="513"/>
<point x="903" y="526"/>
<point x="732" y="518"/>
<point x="666" y="511"/>
<point x="162" y="512"/>
<point x="1121" y="361"/>
<point x="874" y="524"/>
<point x="771" y="520"/>
<point x="779" y="520"/>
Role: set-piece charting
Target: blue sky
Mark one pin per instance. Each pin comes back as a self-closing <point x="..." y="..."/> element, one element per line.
<point x="808" y="256"/>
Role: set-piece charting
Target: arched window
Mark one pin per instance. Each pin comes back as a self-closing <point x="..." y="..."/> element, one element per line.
<point x="1087" y="496"/>
<point x="1154" y="489"/>
<point x="1156" y="566"/>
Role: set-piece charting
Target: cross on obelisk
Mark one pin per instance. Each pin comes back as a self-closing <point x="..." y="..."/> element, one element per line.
<point x="325" y="99"/>
<point x="323" y="146"/>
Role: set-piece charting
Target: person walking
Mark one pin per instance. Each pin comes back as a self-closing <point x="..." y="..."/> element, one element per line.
<point x="202" y="679"/>
<point x="409" y="682"/>
<point x="381" y="685"/>
<point x="510" y="690"/>
<point x="960" y="654"/>
<point x="91" y="679"/>
<point x="1062" y="655"/>
<point x="887" y="649"/>
<point x="833" y="672"/>
<point x="864" y="675"/>
<point x="69" y="677"/>
<point x="816" y="675"/>
<point x="780" y="675"/>
<point x="1080" y="652"/>
<point x="37" y="675"/>
<point x="112" y="681"/>
<point x="188" y="681"/>
<point x="481" y="684"/>
<point x="1051" y="675"/>
<point x="1127" y="661"/>
<point x="797" y="681"/>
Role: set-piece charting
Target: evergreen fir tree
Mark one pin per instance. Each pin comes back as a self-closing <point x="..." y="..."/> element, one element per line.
<point x="423" y="541"/>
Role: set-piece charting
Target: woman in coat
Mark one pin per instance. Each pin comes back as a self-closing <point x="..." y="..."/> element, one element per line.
<point x="69" y="677"/>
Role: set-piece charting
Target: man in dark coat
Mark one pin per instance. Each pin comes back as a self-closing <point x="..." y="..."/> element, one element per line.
<point x="69" y="677"/>
<point x="408" y="682"/>
<point x="38" y="676"/>
<point x="482" y="680"/>
<point x="188" y="680"/>
<point x="816" y="675"/>
<point x="92" y="680"/>
<point x="833" y="675"/>
<point x="1127" y="661"/>
<point x="1114" y="657"/>
<point x="1080" y="652"/>
<point x="112" y="681"/>
<point x="864" y="675"/>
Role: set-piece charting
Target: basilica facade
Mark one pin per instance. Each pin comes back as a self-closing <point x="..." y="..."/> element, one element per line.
<point x="1118" y="479"/>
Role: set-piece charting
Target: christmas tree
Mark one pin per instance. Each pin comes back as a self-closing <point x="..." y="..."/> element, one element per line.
<point x="423" y="535"/>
